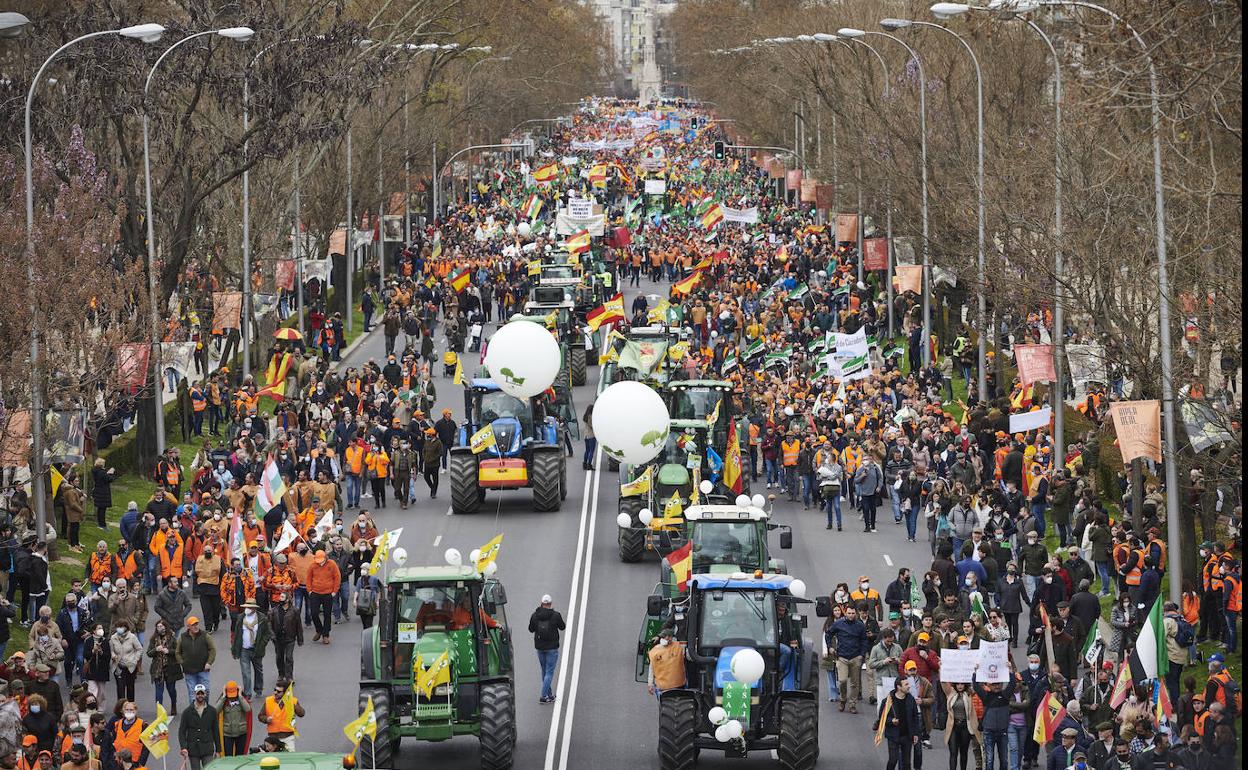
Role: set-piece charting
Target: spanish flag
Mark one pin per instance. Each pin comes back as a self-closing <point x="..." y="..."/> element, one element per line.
<point x="608" y="312"/>
<point x="275" y="377"/>
<point x="732" y="462"/>
<point x="578" y="243"/>
<point x="460" y="282"/>
<point x="546" y="173"/>
<point x="680" y="562"/>
<point x="713" y="216"/>
<point x="1049" y="715"/>
<point x="598" y="175"/>
<point x="689" y="284"/>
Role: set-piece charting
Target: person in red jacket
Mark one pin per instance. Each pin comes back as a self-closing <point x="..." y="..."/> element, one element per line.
<point x="924" y="657"/>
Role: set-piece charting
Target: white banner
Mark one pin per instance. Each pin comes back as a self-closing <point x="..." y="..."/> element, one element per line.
<point x="1086" y="363"/>
<point x="566" y="225"/>
<point x="180" y="358"/>
<point x="744" y="216"/>
<point x="610" y="145"/>
<point x="580" y="208"/>
<point x="656" y="186"/>
<point x="1025" y="421"/>
<point x="991" y="657"/>
<point x="850" y="356"/>
<point x="316" y="268"/>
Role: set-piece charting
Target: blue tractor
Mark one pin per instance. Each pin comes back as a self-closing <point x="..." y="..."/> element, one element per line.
<point x="525" y="449"/>
<point x="720" y="616"/>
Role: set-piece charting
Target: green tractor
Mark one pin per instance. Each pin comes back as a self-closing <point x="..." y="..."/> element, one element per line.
<point x="641" y="354"/>
<point x="286" y="760"/>
<point x="438" y="664"/>
<point x="726" y="539"/>
<point x="559" y="315"/>
<point x="751" y="615"/>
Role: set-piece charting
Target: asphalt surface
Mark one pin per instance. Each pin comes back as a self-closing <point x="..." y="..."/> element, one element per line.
<point x="602" y="718"/>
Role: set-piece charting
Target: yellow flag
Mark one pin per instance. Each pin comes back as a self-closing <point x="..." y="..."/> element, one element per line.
<point x="535" y="267"/>
<point x="364" y="724"/>
<point x="380" y="555"/>
<point x="459" y="371"/>
<point x="713" y="417"/>
<point x="57" y="480"/>
<point x="638" y="486"/>
<point x="439" y="672"/>
<point x="287" y="705"/>
<point x="552" y="319"/>
<point x="488" y="553"/>
<point x="671" y="508"/>
<point x="482" y="439"/>
<point x="156" y="735"/>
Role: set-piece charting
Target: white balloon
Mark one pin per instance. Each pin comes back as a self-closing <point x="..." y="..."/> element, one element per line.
<point x="474" y="554"/>
<point x="453" y="557"/>
<point x="743" y="501"/>
<point x="706" y="487"/>
<point x="623" y="521"/>
<point x="788" y="411"/>
<point x="714" y="334"/>
<point x="523" y="358"/>
<point x="758" y="500"/>
<point x="721" y="734"/>
<point x="491" y="569"/>
<point x="523" y="229"/>
<point x="717" y="715"/>
<point x="645" y="516"/>
<point x="631" y="421"/>
<point x="747" y="666"/>
<point x="798" y="589"/>
<point x="399" y="555"/>
<point x="735" y="730"/>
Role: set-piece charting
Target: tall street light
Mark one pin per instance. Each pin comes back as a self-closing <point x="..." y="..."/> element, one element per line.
<point x="982" y="300"/>
<point x="949" y="10"/>
<point x="232" y="33"/>
<point x="858" y="34"/>
<point x="11" y="24"/>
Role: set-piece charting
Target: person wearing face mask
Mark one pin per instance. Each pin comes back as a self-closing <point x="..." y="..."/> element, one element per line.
<point x="39" y="723"/>
<point x="208" y="569"/>
<point x="47" y="646"/>
<point x="237" y="588"/>
<point x="165" y="669"/>
<point x="1122" y="617"/>
<point x="1192" y="755"/>
<point x="173" y="604"/>
<point x="1033" y="557"/>
<point x="123" y="740"/>
<point x="865" y="593"/>
<point x="1159" y="756"/>
<point x="667" y="664"/>
<point x="249" y="643"/>
<point x="127" y="653"/>
<point x="97" y="660"/>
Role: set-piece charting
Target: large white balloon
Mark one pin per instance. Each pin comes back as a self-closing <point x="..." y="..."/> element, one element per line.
<point x="735" y="730"/>
<point x="722" y="734"/>
<point x="630" y="421"/>
<point x="798" y="589"/>
<point x="758" y="500"/>
<point x="623" y="521"/>
<point x="399" y="555"/>
<point x="523" y="358"/>
<point x="747" y="666"/>
<point x="523" y="229"/>
<point x="453" y="557"/>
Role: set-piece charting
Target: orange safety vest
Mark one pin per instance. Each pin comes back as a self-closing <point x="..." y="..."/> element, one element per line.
<point x="1120" y="553"/>
<point x="1132" y="577"/>
<point x="355" y="459"/>
<point x="852" y="459"/>
<point x="169" y="566"/>
<point x="999" y="460"/>
<point x="128" y="567"/>
<point x="1191" y="607"/>
<point x="1198" y="722"/>
<point x="279" y="721"/>
<point x="790" y="450"/>
<point x="100" y="568"/>
<point x="198" y="401"/>
<point x="1213" y="581"/>
<point x="1232" y="588"/>
<point x="1161" y="547"/>
<point x="129" y="739"/>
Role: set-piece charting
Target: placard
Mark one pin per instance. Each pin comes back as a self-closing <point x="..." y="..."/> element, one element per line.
<point x="580" y="208"/>
<point x="656" y="187"/>
<point x="1035" y="363"/>
<point x="793" y="179"/>
<point x="1138" y="425"/>
<point x="846" y="228"/>
<point x="824" y="194"/>
<point x="875" y="254"/>
<point x="991" y="657"/>
<point x="1033" y="420"/>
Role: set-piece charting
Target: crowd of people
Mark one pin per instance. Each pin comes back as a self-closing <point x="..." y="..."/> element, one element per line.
<point x="1023" y="545"/>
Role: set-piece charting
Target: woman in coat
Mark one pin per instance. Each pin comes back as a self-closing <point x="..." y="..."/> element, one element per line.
<point x="102" y="491"/>
<point x="961" y="724"/>
<point x="1121" y="617"/>
<point x="73" y="503"/>
<point x="97" y="661"/>
<point x="127" y="655"/>
<point x="166" y="671"/>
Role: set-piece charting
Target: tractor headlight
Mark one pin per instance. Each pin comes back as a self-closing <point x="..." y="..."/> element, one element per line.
<point x="442" y="690"/>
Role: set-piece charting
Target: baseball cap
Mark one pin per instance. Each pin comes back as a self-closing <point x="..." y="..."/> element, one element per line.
<point x="231" y="687"/>
<point x="1108" y="665"/>
<point x="963" y="638"/>
<point x="924" y="636"/>
<point x="30" y="740"/>
<point x="192" y="620"/>
<point x="911" y="665"/>
<point x="546" y="599"/>
<point x="1217" y="657"/>
<point x="201" y="687"/>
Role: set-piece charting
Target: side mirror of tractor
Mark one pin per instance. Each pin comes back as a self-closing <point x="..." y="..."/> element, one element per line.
<point x="654" y="605"/>
<point x="823" y="606"/>
<point x="802" y="620"/>
<point x="786" y="539"/>
<point x="498" y="594"/>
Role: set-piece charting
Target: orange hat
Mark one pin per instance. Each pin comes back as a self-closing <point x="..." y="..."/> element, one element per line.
<point x="963" y="638"/>
<point x="30" y="740"/>
<point x="430" y="432"/>
<point x="446" y="412"/>
<point x="191" y="620"/>
<point x="231" y="688"/>
<point x="924" y="636"/>
<point x="911" y="665"/>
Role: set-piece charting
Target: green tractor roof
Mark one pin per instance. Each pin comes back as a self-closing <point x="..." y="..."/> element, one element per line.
<point x="294" y="760"/>
<point x="437" y="574"/>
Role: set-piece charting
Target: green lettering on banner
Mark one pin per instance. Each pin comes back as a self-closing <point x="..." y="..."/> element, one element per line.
<point x="737" y="701"/>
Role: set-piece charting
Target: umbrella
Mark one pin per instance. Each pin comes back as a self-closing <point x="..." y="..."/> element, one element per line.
<point x="287" y="333"/>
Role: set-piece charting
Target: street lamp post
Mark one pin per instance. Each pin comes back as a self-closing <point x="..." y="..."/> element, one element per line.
<point x="11" y="24"/>
<point x="982" y="300"/>
<point x="233" y="33"/>
<point x="856" y="34"/>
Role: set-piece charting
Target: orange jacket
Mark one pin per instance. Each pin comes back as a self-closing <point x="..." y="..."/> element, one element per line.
<point x="170" y="565"/>
<point x="378" y="462"/>
<point x="324" y="578"/>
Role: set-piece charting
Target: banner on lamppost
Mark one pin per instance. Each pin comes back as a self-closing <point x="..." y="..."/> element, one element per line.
<point x="908" y="278"/>
<point x="846" y="227"/>
<point x="1035" y="363"/>
<point x="875" y="254"/>
<point x="227" y="309"/>
<point x="1138" y="425"/>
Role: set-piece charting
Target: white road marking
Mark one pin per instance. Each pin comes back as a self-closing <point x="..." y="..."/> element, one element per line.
<point x="571" y="619"/>
<point x="888" y="560"/>
<point x="580" y="630"/>
<point x="437" y="541"/>
<point x="448" y="510"/>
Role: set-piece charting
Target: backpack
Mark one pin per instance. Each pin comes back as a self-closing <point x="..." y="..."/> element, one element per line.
<point x="545" y="631"/>
<point x="366" y="599"/>
<point x="1185" y="635"/>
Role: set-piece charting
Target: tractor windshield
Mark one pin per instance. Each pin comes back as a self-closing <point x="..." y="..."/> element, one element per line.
<point x="725" y="542"/>
<point x="694" y="404"/>
<point x="496" y="404"/>
<point x="558" y="272"/>
<point x="422" y="608"/>
<point x="744" y="618"/>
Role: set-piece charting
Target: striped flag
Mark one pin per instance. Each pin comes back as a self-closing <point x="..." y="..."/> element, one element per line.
<point x="729" y="363"/>
<point x="689" y="284"/>
<point x="1122" y="686"/>
<point x="546" y="173"/>
<point x="680" y="562"/>
<point x="713" y="216"/>
<point x="1149" y="660"/>
<point x="780" y="357"/>
<point x="1049" y="715"/>
<point x="460" y="282"/>
<point x="800" y="292"/>
<point x="732" y="463"/>
<point x="532" y="207"/>
<point x="756" y="348"/>
<point x="272" y="487"/>
<point x="578" y="243"/>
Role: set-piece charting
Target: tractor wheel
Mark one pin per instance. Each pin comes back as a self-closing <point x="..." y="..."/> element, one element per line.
<point x="498" y="726"/>
<point x="799" y="734"/>
<point x="576" y="364"/>
<point x="544" y="476"/>
<point x="380" y="752"/>
<point x="563" y="480"/>
<point x="678" y="727"/>
<point x="465" y="494"/>
<point x="632" y="540"/>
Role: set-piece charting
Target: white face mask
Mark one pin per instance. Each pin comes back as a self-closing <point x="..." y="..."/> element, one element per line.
<point x="99" y="633"/>
<point x="864" y="585"/>
<point x="216" y="517"/>
<point x="1048" y="580"/>
<point x="131" y="714"/>
<point x="249" y="612"/>
<point x="665" y="641"/>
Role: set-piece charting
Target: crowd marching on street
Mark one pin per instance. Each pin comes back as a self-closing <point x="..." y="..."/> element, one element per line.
<point x="265" y="541"/>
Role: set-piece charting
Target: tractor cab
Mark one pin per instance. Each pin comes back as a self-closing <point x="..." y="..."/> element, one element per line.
<point x="719" y="617"/>
<point x="438" y="663"/>
<point x="724" y="540"/>
<point x="701" y="400"/>
<point x="642" y="354"/>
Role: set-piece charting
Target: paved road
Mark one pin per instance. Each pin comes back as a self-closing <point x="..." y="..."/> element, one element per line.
<point x="602" y="718"/>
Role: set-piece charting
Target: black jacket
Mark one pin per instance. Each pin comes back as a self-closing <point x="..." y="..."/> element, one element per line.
<point x="996" y="705"/>
<point x="101" y="487"/>
<point x="908" y="725"/>
<point x="197" y="733"/>
<point x="545" y="625"/>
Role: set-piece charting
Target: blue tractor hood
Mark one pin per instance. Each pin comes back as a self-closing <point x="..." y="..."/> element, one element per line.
<point x="723" y="671"/>
<point x="507" y="437"/>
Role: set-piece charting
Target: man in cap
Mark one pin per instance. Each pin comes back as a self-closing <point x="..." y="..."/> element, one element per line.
<point x="1102" y="749"/>
<point x="47" y="687"/>
<point x="1062" y="756"/>
<point x="196" y="653"/>
<point x="249" y="642"/>
<point x="667" y="664"/>
<point x="198" y="732"/>
<point x="545" y="624"/>
<point x="287" y="629"/>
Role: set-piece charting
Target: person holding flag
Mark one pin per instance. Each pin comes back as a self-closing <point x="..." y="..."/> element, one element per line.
<point x="279" y="712"/>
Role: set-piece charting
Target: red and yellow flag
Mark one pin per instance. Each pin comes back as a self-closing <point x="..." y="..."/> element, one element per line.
<point x="732" y="460"/>
<point x="578" y="243"/>
<point x="546" y="173"/>
<point x="275" y="377"/>
<point x="1122" y="686"/>
<point x="1049" y="715"/>
<point x="713" y="216"/>
<point x="461" y="281"/>
<point x="689" y="284"/>
<point x="680" y="562"/>
<point x="608" y="312"/>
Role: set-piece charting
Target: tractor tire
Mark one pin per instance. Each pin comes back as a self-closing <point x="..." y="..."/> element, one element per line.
<point x="632" y="540"/>
<point x="498" y="726"/>
<point x="563" y="480"/>
<point x="465" y="494"/>
<point x="544" y="474"/>
<point x="380" y="752"/>
<point x="576" y="364"/>
<point x="799" y="734"/>
<point x="678" y="727"/>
